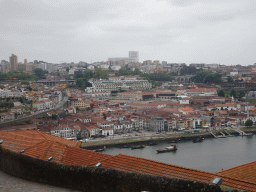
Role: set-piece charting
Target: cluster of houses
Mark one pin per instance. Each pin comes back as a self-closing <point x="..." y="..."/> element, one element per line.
<point x="27" y="99"/>
<point x="184" y="109"/>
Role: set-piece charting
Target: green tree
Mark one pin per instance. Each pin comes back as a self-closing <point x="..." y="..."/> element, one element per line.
<point x="230" y="79"/>
<point x="80" y="82"/>
<point x="207" y="77"/>
<point x="161" y="76"/>
<point x="233" y="93"/>
<point x="126" y="72"/>
<point x="248" y="122"/>
<point x="241" y="94"/>
<point x="188" y="70"/>
<point x="16" y="75"/>
<point x="100" y="73"/>
<point x="78" y="74"/>
<point x="87" y="74"/>
<point x="221" y="93"/>
<point x="24" y="82"/>
<point x="39" y="73"/>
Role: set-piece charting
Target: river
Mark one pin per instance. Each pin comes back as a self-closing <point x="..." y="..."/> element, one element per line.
<point x="211" y="155"/>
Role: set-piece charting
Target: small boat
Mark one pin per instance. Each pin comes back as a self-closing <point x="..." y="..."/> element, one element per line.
<point x="248" y="134"/>
<point x="167" y="149"/>
<point x="99" y="150"/>
<point x="221" y="136"/>
<point x="197" y="140"/>
<point x="174" y="141"/>
<point x="138" y="147"/>
<point x="125" y="146"/>
<point x="153" y="143"/>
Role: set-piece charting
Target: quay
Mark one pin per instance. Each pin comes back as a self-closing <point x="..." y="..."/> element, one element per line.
<point x="161" y="138"/>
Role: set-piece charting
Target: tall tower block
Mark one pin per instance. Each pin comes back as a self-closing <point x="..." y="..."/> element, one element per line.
<point x="14" y="62"/>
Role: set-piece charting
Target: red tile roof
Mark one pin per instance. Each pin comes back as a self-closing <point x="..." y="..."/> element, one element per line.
<point x="245" y="172"/>
<point x="78" y="156"/>
<point x="150" y="167"/>
<point x="21" y="140"/>
<point x="46" y="149"/>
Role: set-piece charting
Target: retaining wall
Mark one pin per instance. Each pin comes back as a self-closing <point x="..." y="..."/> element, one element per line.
<point x="92" y="179"/>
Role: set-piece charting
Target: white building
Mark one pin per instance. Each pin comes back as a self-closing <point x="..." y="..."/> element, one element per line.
<point x="127" y="83"/>
<point x="10" y="94"/>
<point x="108" y="131"/>
<point x="134" y="56"/>
<point x="66" y="131"/>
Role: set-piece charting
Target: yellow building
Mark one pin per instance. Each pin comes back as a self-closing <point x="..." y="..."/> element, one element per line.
<point x="80" y="104"/>
<point x="63" y="86"/>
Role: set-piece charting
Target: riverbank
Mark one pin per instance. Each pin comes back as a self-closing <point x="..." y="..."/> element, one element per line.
<point x="146" y="140"/>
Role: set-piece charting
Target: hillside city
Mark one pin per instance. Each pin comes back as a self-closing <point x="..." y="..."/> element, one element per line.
<point x="123" y="97"/>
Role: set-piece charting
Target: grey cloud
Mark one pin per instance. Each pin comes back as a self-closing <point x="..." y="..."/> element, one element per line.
<point x="215" y="17"/>
<point x="191" y="2"/>
<point x="74" y="30"/>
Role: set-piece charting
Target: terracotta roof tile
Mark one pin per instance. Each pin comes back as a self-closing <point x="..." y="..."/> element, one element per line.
<point x="78" y="156"/>
<point x="46" y="149"/>
<point x="245" y="172"/>
<point x="19" y="140"/>
<point x="145" y="166"/>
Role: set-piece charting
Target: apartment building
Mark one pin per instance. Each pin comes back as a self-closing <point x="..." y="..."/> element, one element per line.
<point x="120" y="83"/>
<point x="158" y="124"/>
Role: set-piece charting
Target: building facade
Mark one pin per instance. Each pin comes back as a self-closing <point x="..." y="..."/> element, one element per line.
<point x="14" y="62"/>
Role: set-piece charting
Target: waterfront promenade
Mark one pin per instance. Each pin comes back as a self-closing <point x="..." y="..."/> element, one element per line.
<point x="145" y="137"/>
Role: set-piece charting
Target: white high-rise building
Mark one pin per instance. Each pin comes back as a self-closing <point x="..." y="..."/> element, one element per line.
<point x="134" y="56"/>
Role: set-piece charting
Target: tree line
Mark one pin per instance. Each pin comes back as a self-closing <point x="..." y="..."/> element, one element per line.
<point x="82" y="77"/>
<point x="38" y="74"/>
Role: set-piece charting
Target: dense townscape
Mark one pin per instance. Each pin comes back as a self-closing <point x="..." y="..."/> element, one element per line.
<point x="127" y="96"/>
<point x="122" y="96"/>
<point x="48" y="111"/>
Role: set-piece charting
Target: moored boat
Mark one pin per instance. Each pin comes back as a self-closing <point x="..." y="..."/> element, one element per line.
<point x="125" y="146"/>
<point x="248" y="134"/>
<point x="138" y="147"/>
<point x="167" y="149"/>
<point x="221" y="136"/>
<point x="174" y="141"/>
<point x="197" y="140"/>
<point x="99" y="150"/>
<point x="152" y="143"/>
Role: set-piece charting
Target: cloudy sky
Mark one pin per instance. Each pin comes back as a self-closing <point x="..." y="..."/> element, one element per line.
<point x="176" y="31"/>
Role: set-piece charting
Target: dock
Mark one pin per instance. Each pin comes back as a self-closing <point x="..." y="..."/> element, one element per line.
<point x="228" y="134"/>
<point x="213" y="134"/>
<point x="240" y="132"/>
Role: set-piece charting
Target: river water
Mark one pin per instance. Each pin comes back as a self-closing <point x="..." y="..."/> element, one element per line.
<point x="211" y="155"/>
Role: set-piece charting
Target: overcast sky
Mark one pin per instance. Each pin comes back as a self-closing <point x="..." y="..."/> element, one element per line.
<point x="176" y="31"/>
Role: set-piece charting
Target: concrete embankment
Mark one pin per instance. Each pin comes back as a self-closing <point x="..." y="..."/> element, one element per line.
<point x="147" y="140"/>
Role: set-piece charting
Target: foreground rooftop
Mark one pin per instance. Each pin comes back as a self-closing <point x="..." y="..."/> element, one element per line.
<point x="41" y="145"/>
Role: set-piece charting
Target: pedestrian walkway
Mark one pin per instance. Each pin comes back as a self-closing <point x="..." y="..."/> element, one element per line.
<point x="9" y="183"/>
